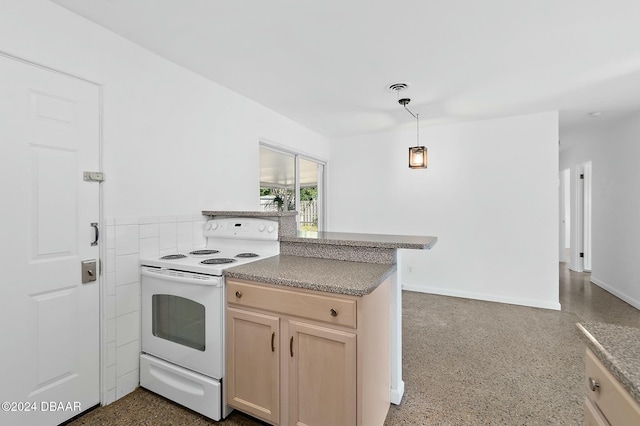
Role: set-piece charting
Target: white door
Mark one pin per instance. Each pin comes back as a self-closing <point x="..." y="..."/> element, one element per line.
<point x="49" y="134"/>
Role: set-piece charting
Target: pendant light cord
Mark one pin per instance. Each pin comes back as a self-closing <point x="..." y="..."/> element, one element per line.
<point x="417" y="123"/>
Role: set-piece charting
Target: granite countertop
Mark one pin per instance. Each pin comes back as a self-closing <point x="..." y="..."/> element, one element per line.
<point x="328" y="275"/>
<point x="618" y="348"/>
<point x="362" y="240"/>
<point x="240" y="213"/>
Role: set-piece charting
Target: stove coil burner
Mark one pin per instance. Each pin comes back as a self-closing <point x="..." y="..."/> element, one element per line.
<point x="173" y="256"/>
<point x="217" y="261"/>
<point x="247" y="255"/>
<point x="203" y="252"/>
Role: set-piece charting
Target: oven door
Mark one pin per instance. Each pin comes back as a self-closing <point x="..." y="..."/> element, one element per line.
<point x="182" y="314"/>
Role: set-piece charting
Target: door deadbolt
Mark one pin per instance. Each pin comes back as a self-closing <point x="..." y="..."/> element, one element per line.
<point x="89" y="272"/>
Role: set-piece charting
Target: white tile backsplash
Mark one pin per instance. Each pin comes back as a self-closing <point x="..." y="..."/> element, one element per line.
<point x="127" y="383"/>
<point x="111" y="354"/>
<point x="168" y="233"/>
<point x="110" y="232"/>
<point x="127" y="240"/>
<point x="110" y="278"/>
<point x="127" y="299"/>
<point x="184" y="228"/>
<point x="149" y="230"/>
<point x="127" y="269"/>
<point x="126" y="220"/>
<point x="110" y="396"/>
<point x="111" y="330"/>
<point x="111" y="307"/>
<point x="149" y="247"/>
<point x="127" y="358"/>
<point x="127" y="328"/>
<point x="185" y="242"/>
<point x="110" y="261"/>
<point x="111" y="377"/>
<point x="197" y="230"/>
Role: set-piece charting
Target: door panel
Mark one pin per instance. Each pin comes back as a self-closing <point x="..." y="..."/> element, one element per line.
<point x="322" y="372"/>
<point x="49" y="134"/>
<point x="253" y="372"/>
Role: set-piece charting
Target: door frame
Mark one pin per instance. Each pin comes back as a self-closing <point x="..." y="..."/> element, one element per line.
<point x="101" y="246"/>
<point x="580" y="204"/>
<point x="322" y="182"/>
<point x="564" y="194"/>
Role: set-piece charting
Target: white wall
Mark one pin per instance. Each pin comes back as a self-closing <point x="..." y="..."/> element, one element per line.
<point x="166" y="130"/>
<point x="614" y="148"/>
<point x="174" y="144"/>
<point x="490" y="195"/>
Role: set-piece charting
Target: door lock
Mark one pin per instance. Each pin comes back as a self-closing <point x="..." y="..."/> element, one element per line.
<point x="89" y="272"/>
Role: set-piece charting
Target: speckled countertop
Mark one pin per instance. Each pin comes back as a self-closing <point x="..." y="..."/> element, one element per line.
<point x="618" y="348"/>
<point x="247" y="213"/>
<point x="363" y="240"/>
<point x="332" y="276"/>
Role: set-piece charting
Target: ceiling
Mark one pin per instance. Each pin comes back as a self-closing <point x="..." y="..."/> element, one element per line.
<point x="327" y="64"/>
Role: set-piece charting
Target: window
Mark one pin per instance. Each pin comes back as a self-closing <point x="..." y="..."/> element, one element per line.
<point x="291" y="181"/>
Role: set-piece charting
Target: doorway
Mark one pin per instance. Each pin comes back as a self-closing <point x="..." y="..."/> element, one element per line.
<point x="565" y="216"/>
<point x="575" y="217"/>
<point x="50" y="135"/>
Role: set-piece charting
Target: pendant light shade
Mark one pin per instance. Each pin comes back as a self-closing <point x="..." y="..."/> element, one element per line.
<point x="418" y="153"/>
<point x="417" y="157"/>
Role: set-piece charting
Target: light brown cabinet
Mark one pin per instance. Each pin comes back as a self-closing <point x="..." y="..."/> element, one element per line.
<point x="607" y="402"/>
<point x="303" y="357"/>
<point x="253" y="356"/>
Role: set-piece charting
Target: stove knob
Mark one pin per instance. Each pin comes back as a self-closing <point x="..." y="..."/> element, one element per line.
<point x="214" y="226"/>
<point x="261" y="228"/>
<point x="270" y="228"/>
<point x="208" y="226"/>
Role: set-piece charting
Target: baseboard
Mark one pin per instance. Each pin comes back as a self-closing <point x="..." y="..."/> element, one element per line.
<point x="397" y="393"/>
<point x="618" y="294"/>
<point x="484" y="297"/>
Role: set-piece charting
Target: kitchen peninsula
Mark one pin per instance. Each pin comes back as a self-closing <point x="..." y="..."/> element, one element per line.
<point x="612" y="374"/>
<point x="337" y="265"/>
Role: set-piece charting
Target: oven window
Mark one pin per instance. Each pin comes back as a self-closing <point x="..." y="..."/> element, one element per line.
<point x="179" y="320"/>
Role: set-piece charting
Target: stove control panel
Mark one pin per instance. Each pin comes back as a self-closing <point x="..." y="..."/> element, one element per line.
<point x="242" y="228"/>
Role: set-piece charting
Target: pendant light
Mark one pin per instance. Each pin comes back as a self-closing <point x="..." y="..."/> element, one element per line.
<point x="418" y="153"/>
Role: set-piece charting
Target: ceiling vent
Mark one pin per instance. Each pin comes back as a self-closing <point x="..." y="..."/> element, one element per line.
<point x="397" y="87"/>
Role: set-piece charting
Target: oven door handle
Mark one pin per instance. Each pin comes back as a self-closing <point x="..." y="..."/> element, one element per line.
<point x="167" y="275"/>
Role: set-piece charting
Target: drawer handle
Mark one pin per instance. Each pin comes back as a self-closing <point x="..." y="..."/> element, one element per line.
<point x="334" y="313"/>
<point x="273" y="345"/>
<point x="238" y="294"/>
<point x="593" y="385"/>
<point x="291" y="346"/>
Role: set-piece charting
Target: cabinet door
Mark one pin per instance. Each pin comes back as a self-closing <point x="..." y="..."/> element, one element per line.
<point x="592" y="416"/>
<point x="322" y="376"/>
<point x="253" y="373"/>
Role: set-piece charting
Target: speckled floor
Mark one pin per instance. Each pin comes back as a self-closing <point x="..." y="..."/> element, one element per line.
<point x="466" y="362"/>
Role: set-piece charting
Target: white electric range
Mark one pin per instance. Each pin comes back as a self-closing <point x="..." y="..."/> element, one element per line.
<point x="183" y="321"/>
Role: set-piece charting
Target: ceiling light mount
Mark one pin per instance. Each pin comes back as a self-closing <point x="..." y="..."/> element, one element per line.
<point x="397" y="87"/>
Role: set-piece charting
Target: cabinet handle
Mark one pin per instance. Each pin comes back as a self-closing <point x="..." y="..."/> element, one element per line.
<point x="593" y="385"/>
<point x="334" y="313"/>
<point x="273" y="344"/>
<point x="238" y="294"/>
<point x="291" y="346"/>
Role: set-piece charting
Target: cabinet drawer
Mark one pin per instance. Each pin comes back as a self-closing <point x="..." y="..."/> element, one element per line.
<point x="615" y="403"/>
<point x="329" y="309"/>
